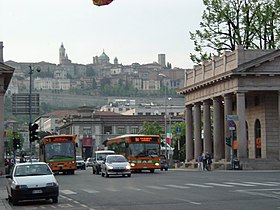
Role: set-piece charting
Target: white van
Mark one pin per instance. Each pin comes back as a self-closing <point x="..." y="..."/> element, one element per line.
<point x="98" y="157"/>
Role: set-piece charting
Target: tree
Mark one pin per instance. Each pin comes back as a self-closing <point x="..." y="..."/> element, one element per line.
<point x="178" y="140"/>
<point x="254" y="24"/>
<point x="152" y="128"/>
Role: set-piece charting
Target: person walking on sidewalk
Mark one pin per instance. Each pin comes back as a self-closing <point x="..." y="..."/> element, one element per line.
<point x="200" y="162"/>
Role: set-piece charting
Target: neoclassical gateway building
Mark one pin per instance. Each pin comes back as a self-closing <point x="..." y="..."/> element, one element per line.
<point x="235" y="100"/>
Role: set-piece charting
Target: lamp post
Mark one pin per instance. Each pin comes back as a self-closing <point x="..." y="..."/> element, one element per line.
<point x="165" y="115"/>
<point x="31" y="70"/>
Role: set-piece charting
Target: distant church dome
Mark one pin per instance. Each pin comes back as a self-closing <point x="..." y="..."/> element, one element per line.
<point x="103" y="58"/>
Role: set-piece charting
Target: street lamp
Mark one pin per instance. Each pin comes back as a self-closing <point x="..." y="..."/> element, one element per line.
<point x="165" y="115"/>
<point x="31" y="70"/>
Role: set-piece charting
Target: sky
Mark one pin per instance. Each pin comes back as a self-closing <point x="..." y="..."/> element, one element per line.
<point x="134" y="31"/>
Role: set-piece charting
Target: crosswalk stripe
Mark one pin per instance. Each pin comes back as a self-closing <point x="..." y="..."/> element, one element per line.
<point x="91" y="191"/>
<point x="67" y="192"/>
<point x="240" y="184"/>
<point x="198" y="185"/>
<point x="217" y="184"/>
<point x="157" y="187"/>
<point x="276" y="183"/>
<point x="177" y="186"/>
<point x="258" y="183"/>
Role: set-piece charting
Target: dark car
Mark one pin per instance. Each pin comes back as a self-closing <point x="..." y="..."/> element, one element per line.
<point x="30" y="181"/>
<point x="98" y="157"/>
<point x="163" y="163"/>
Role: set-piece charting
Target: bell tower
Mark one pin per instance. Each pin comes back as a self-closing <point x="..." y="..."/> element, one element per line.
<point x="61" y="54"/>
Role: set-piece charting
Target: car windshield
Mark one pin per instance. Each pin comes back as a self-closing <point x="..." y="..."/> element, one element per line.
<point x="32" y="170"/>
<point x="102" y="156"/>
<point x="113" y="159"/>
<point x="79" y="158"/>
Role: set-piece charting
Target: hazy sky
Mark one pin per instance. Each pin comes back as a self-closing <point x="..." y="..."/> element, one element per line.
<point x="131" y="30"/>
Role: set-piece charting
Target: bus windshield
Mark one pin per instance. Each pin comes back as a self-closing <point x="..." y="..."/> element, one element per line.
<point x="59" y="150"/>
<point x="144" y="150"/>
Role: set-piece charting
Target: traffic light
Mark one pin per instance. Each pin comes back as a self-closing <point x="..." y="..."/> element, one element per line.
<point x="33" y="132"/>
<point x="16" y="143"/>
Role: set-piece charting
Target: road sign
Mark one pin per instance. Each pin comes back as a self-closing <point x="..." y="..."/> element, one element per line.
<point x="231" y="125"/>
<point x="232" y="117"/>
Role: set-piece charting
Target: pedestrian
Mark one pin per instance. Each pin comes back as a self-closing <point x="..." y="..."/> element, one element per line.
<point x="22" y="159"/>
<point x="200" y="162"/>
<point x="204" y="161"/>
<point x="208" y="161"/>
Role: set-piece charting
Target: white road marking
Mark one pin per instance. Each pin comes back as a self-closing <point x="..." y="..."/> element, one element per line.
<point x="258" y="183"/>
<point x="198" y="185"/>
<point x="177" y="186"/>
<point x="240" y="184"/>
<point x="67" y="192"/>
<point x="157" y="187"/>
<point x="91" y="191"/>
<point x="188" y="201"/>
<point x="219" y="185"/>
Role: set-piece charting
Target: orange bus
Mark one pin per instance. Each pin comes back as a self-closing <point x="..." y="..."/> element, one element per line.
<point x="59" y="152"/>
<point x="142" y="151"/>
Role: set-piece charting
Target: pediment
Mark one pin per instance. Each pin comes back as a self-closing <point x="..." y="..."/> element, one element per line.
<point x="266" y="64"/>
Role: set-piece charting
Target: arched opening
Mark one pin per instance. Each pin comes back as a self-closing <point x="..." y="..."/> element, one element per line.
<point x="258" y="140"/>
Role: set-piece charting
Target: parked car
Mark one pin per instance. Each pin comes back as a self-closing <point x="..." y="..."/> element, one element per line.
<point x="89" y="162"/>
<point x="29" y="181"/>
<point x="163" y="163"/>
<point x="98" y="157"/>
<point x="80" y="163"/>
<point x="115" y="165"/>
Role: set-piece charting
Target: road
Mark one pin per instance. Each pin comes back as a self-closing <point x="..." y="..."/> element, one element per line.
<point x="174" y="189"/>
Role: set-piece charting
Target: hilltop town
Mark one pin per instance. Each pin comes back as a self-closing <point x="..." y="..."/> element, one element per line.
<point x="101" y="78"/>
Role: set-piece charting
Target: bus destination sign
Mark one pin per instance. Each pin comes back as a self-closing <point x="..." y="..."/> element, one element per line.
<point x="144" y="139"/>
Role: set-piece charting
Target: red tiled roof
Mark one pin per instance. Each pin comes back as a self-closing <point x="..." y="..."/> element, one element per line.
<point x="62" y="113"/>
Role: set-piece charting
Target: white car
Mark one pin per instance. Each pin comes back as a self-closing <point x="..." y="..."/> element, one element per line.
<point x="80" y="163"/>
<point x="30" y="181"/>
<point x="115" y="165"/>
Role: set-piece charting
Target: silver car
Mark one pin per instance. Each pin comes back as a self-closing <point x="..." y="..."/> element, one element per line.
<point x="29" y="181"/>
<point x="115" y="165"/>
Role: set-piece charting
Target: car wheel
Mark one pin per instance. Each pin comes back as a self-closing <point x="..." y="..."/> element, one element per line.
<point x="55" y="199"/>
<point x="161" y="169"/>
<point x="166" y="169"/>
<point x="107" y="175"/>
<point x="14" y="201"/>
<point x="152" y="170"/>
<point x="128" y="175"/>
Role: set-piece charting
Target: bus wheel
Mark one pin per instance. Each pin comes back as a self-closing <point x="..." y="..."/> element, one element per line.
<point x="152" y="170"/>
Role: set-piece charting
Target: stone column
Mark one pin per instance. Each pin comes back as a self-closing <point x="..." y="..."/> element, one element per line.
<point x="197" y="130"/>
<point x="241" y="126"/>
<point x="189" y="134"/>
<point x="218" y="141"/>
<point x="2" y="151"/>
<point x="279" y="123"/>
<point x="207" y="141"/>
<point x="228" y="133"/>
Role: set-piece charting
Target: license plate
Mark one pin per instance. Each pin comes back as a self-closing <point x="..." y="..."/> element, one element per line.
<point x="37" y="191"/>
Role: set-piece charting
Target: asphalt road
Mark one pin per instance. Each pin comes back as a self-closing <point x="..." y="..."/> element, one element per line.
<point x="174" y="189"/>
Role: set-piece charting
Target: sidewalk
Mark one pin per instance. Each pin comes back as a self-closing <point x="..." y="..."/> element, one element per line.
<point x="4" y="205"/>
